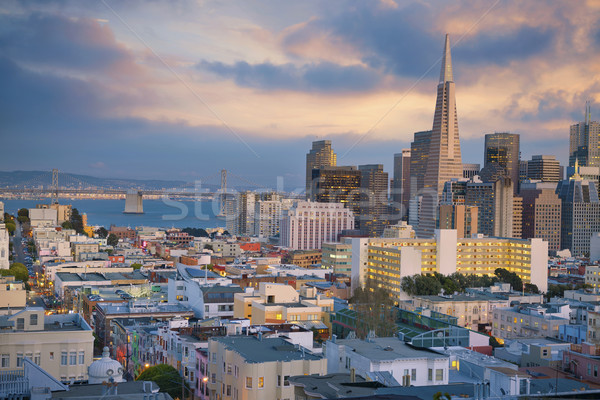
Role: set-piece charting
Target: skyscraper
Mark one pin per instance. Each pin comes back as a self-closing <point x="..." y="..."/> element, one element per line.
<point x="541" y="213"/>
<point x="321" y="155"/>
<point x="503" y="149"/>
<point x="544" y="168"/>
<point x="374" y="203"/>
<point x="401" y="188"/>
<point x="444" y="162"/>
<point x="584" y="143"/>
<point x="338" y="185"/>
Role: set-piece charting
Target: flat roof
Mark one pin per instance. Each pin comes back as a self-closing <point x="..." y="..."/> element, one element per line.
<point x="256" y="350"/>
<point x="387" y="348"/>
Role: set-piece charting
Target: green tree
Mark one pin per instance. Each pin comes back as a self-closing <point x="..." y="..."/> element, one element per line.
<point x="375" y="311"/>
<point x="102" y="232"/>
<point x="166" y="377"/>
<point x="209" y="247"/>
<point x="22" y="219"/>
<point x="18" y="270"/>
<point x="136" y="266"/>
<point x="23" y="212"/>
<point x="531" y="288"/>
<point x="67" y="225"/>
<point x="8" y="217"/>
<point x="112" y="240"/>
<point x="76" y="221"/>
<point x="10" y="227"/>
<point x="509" y="277"/>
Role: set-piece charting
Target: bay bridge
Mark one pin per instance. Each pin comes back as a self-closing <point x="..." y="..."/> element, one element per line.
<point x="54" y="185"/>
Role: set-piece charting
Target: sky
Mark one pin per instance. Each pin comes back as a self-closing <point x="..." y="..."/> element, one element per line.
<point x="181" y="89"/>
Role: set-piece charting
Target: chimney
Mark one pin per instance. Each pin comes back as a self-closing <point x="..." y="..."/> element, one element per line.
<point x="260" y="335"/>
<point x="352" y="375"/>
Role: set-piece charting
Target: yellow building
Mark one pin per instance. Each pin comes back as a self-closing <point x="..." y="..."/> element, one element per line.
<point x="389" y="260"/>
<point x="61" y="344"/>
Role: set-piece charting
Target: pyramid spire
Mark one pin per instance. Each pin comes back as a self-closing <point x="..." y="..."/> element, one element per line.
<point x="446" y="72"/>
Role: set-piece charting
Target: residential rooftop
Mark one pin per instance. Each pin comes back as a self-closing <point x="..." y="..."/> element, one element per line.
<point x="387" y="348"/>
<point x="256" y="349"/>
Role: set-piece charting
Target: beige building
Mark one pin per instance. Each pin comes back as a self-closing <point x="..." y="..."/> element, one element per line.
<point x="61" y="344"/>
<point x="278" y="303"/>
<point x="517" y="217"/>
<point x="249" y="368"/>
<point x="79" y="248"/>
<point x="542" y="213"/>
<point x="4" y="247"/>
<point x="13" y="296"/>
<point x="592" y="276"/>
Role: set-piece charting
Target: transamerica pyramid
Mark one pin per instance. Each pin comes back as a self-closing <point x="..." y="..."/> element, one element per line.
<point x="444" y="162"/>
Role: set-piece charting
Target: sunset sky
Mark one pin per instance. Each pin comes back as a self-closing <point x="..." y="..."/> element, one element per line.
<point x="181" y="89"/>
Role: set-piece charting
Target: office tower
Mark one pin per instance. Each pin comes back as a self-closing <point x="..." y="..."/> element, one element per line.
<point x="307" y="225"/>
<point x="541" y="213"/>
<point x="321" y="155"/>
<point x="338" y="185"/>
<point x="543" y="168"/>
<point x="584" y="146"/>
<point x="454" y="191"/>
<point x="419" y="153"/>
<point x="523" y="166"/>
<point x="580" y="213"/>
<point x="444" y="162"/>
<point x="495" y="205"/>
<point x="502" y="149"/>
<point x="470" y="170"/>
<point x="401" y="186"/>
<point x="373" y="199"/>
<point x="461" y="217"/>
<point x="517" y="223"/>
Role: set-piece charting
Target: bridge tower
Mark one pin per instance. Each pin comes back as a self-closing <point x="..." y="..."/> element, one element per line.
<point x="133" y="202"/>
<point x="54" y="199"/>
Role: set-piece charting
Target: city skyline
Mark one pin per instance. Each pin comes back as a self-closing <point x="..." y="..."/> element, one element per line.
<point x="248" y="87"/>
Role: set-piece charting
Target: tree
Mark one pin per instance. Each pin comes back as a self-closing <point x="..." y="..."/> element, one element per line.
<point x="18" y="270"/>
<point x="22" y="219"/>
<point x="76" y="221"/>
<point x="531" y="288"/>
<point x="102" y="232"/>
<point x="166" y="377"/>
<point x="23" y="212"/>
<point x="112" y="240"/>
<point x="509" y="277"/>
<point x="10" y="227"/>
<point x="66" y="225"/>
<point x="209" y="247"/>
<point x="196" y="232"/>
<point x="375" y="311"/>
<point x="8" y="217"/>
<point x="136" y="266"/>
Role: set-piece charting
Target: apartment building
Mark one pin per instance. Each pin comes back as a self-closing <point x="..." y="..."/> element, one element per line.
<point x="530" y="321"/>
<point x="249" y="367"/>
<point x="61" y="344"/>
<point x="13" y="296"/>
<point x="387" y="261"/>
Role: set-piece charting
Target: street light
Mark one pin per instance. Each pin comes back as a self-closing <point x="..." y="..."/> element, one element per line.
<point x="205" y="380"/>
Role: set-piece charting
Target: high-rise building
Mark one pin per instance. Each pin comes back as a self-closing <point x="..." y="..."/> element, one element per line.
<point x="541" y="213"/>
<point x="267" y="214"/>
<point x="584" y="143"/>
<point x="306" y="225"/>
<point x="338" y="185"/>
<point x="495" y="205"/>
<point x="401" y="187"/>
<point x="470" y="170"/>
<point x="444" y="162"/>
<point x="374" y="199"/>
<point x="240" y="213"/>
<point x="461" y="217"/>
<point x="321" y="155"/>
<point x="419" y="153"/>
<point x="517" y="224"/>
<point x="580" y="213"/>
<point x="338" y="257"/>
<point x="503" y="149"/>
<point x="543" y="168"/>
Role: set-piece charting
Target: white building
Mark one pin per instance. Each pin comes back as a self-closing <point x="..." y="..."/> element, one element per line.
<point x="307" y="224"/>
<point x="4" y="247"/>
<point x="43" y="217"/>
<point x="408" y="365"/>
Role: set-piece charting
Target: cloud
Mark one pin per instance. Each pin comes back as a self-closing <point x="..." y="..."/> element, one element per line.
<point x="319" y="77"/>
